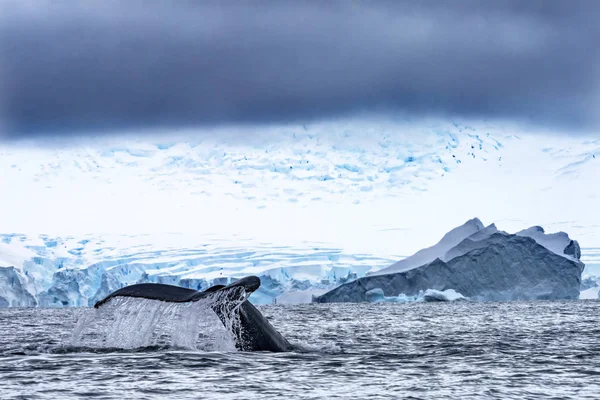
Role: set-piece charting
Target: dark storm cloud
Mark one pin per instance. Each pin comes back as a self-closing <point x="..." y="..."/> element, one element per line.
<point x="76" y="66"/>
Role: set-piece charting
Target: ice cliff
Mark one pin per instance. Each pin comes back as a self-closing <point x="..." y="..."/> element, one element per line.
<point x="78" y="271"/>
<point x="481" y="264"/>
<point x="13" y="291"/>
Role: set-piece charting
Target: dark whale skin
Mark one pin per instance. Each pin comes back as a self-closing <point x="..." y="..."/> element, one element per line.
<point x="255" y="334"/>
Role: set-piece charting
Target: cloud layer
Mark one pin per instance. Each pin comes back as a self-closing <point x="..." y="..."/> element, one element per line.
<point x="99" y="66"/>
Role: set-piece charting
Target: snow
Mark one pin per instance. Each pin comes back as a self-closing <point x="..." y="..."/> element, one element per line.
<point x="402" y="182"/>
<point x="13" y="255"/>
<point x="555" y="242"/>
<point x="438" y="250"/>
<point x="474" y="241"/>
<point x="473" y="230"/>
<point x="201" y="204"/>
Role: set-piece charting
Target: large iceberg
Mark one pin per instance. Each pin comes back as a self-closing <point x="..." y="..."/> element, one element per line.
<point x="471" y="228"/>
<point x="481" y="264"/>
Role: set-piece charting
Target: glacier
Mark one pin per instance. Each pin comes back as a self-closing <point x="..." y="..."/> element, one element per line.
<point x="396" y="182"/>
<point x="13" y="290"/>
<point x="307" y="207"/>
<point x="486" y="264"/>
<point x="68" y="271"/>
<point x="50" y="271"/>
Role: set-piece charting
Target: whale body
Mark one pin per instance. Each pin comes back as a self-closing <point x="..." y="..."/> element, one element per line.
<point x="254" y="332"/>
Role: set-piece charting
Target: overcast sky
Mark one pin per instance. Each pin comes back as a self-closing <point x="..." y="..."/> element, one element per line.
<point x="78" y="67"/>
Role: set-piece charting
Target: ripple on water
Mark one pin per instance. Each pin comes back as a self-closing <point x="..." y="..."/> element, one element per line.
<point x="462" y="350"/>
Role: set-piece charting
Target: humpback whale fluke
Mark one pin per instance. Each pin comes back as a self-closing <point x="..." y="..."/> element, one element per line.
<point x="254" y="332"/>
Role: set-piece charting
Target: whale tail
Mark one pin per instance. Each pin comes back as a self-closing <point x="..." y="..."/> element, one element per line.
<point x="254" y="332"/>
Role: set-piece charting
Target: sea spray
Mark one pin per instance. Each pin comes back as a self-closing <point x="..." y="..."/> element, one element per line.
<point x="130" y="323"/>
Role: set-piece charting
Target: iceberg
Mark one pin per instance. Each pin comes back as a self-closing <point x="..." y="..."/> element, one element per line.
<point x="423" y="256"/>
<point x="559" y="242"/>
<point x="432" y="295"/>
<point x="376" y="295"/>
<point x="486" y="264"/>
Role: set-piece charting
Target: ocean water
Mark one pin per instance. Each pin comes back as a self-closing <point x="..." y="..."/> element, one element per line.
<point x="520" y="350"/>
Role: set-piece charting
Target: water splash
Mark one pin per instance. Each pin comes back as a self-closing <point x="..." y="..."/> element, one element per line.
<point x="130" y="323"/>
<point x="302" y="346"/>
